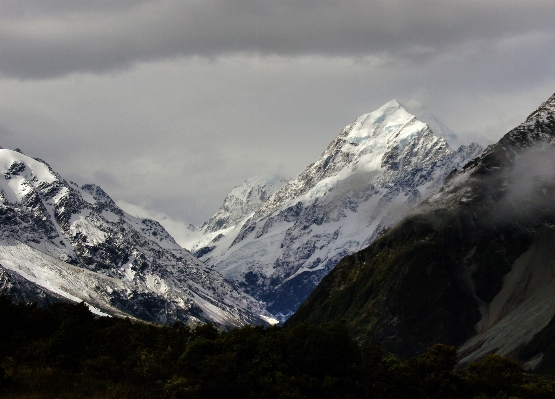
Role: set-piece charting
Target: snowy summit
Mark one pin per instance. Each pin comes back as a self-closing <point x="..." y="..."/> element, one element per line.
<point x="370" y="175"/>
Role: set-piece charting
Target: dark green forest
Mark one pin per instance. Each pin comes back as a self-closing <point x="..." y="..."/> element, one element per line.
<point x="64" y="351"/>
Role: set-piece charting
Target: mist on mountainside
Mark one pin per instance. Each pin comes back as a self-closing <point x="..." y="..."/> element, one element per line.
<point x="532" y="178"/>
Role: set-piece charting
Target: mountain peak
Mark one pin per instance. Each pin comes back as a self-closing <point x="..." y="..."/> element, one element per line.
<point x="485" y="243"/>
<point x="370" y="175"/>
<point x="61" y="241"/>
<point x="243" y="200"/>
<point x="538" y="127"/>
<point x="258" y="181"/>
<point x="378" y="142"/>
<point x="14" y="163"/>
<point x="423" y="114"/>
<point x="544" y="111"/>
<point x="393" y="116"/>
<point x="391" y="105"/>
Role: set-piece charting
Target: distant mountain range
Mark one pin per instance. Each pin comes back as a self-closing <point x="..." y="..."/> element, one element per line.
<point x="59" y="241"/>
<point x="472" y="266"/>
<point x="410" y="236"/>
<point x="277" y="239"/>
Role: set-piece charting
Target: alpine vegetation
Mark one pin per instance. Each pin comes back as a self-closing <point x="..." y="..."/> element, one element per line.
<point x="64" y="351"/>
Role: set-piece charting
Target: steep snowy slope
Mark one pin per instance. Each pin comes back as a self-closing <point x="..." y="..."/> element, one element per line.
<point x="238" y="206"/>
<point x="473" y="265"/>
<point x="61" y="241"/>
<point x="367" y="179"/>
<point x="244" y="200"/>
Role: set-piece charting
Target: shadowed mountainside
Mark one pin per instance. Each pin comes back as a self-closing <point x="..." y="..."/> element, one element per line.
<point x="473" y="262"/>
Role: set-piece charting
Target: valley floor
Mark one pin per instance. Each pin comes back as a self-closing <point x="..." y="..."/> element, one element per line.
<point x="64" y="351"/>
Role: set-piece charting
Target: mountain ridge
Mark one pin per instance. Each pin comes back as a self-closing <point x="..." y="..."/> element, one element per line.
<point x="469" y="266"/>
<point x="61" y="240"/>
<point x="379" y="166"/>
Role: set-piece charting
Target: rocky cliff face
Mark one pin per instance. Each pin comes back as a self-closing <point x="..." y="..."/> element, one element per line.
<point x="374" y="171"/>
<point x="61" y="241"/>
<point x="471" y="266"/>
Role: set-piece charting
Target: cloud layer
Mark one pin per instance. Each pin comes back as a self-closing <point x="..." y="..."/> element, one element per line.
<point x="43" y="39"/>
<point x="169" y="104"/>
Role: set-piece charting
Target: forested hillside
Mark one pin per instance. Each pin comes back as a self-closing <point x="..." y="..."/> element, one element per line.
<point x="64" y="351"/>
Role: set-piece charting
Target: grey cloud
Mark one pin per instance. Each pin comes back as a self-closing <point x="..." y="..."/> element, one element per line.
<point x="105" y="179"/>
<point x="239" y="88"/>
<point x="533" y="178"/>
<point x="20" y="8"/>
<point x="48" y="39"/>
<point x="177" y="136"/>
<point x="5" y="133"/>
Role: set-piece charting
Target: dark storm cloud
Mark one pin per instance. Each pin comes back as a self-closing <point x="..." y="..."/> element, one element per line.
<point x="186" y="99"/>
<point x="44" y="39"/>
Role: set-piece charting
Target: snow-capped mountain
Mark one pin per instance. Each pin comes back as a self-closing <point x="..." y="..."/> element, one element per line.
<point x="239" y="205"/>
<point x="61" y="241"/>
<point x="471" y="266"/>
<point x="242" y="201"/>
<point x="370" y="175"/>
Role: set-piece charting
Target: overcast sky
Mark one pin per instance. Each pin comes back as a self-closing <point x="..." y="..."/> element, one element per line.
<point x="168" y="105"/>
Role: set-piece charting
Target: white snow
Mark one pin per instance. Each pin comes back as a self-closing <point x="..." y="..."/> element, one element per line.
<point x="439" y="129"/>
<point x="156" y="284"/>
<point x="110" y="216"/>
<point x="92" y="234"/>
<point x="50" y="273"/>
<point x="60" y="194"/>
<point x="182" y="234"/>
<point x="128" y="272"/>
<point x="350" y="192"/>
<point x="87" y="197"/>
<point x="33" y="168"/>
<point x="17" y="188"/>
<point x="157" y="267"/>
<point x="270" y="320"/>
